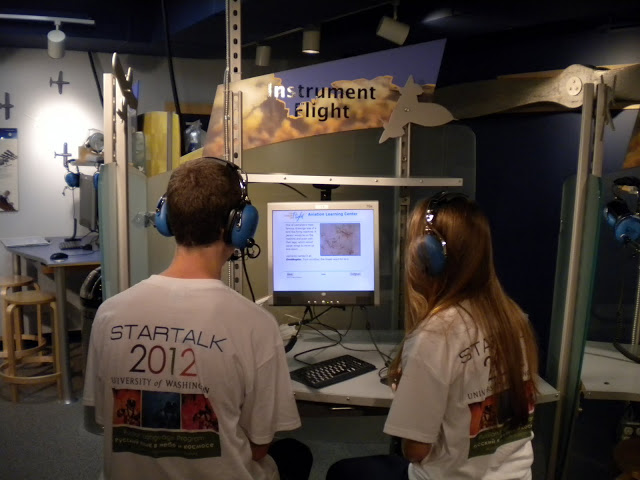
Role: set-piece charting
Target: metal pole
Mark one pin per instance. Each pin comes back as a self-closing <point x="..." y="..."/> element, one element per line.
<point x="401" y="202"/>
<point x="17" y="265"/>
<point x="233" y="112"/>
<point x="586" y="130"/>
<point x="61" y="334"/>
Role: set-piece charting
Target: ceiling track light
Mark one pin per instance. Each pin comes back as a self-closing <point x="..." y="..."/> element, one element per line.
<point x="311" y="40"/>
<point x="263" y="55"/>
<point x="55" y="42"/>
<point x="55" y="38"/>
<point x="391" y="29"/>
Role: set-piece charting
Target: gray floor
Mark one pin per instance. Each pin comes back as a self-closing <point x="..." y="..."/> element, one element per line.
<point x="42" y="438"/>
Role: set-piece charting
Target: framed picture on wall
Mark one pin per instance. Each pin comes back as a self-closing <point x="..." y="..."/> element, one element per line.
<point x="8" y="169"/>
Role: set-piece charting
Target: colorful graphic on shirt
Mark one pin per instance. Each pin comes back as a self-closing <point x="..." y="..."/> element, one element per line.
<point x="161" y="410"/>
<point x="197" y="413"/>
<point x="489" y="427"/>
<point x="164" y="424"/>
<point x="126" y="407"/>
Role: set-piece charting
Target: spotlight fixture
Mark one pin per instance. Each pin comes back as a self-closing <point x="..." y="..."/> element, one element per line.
<point x="311" y="40"/>
<point x="391" y="29"/>
<point x="55" y="38"/>
<point x="55" y="42"/>
<point x="263" y="55"/>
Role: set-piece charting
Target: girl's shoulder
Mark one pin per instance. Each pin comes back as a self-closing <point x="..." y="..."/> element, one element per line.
<point x="452" y="320"/>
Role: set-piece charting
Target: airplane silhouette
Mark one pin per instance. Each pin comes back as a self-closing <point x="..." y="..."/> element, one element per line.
<point x="7" y="106"/>
<point x="409" y="110"/>
<point x="60" y="82"/>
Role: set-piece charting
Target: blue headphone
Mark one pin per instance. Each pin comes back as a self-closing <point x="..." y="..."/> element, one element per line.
<point x="625" y="223"/>
<point x="72" y="179"/>
<point x="433" y="248"/>
<point x="241" y="224"/>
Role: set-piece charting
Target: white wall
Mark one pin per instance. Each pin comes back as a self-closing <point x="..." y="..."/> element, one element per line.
<point x="46" y="120"/>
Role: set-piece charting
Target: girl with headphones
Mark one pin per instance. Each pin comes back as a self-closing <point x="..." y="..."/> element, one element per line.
<point x="463" y="378"/>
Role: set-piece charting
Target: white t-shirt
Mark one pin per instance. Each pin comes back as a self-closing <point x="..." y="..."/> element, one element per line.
<point x="445" y="398"/>
<point x="183" y="373"/>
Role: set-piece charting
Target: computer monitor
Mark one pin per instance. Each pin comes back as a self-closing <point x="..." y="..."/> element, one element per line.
<point x="323" y="253"/>
<point x="88" y="203"/>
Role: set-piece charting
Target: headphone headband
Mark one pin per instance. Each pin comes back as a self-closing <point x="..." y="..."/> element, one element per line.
<point x="242" y="220"/>
<point x="433" y="249"/>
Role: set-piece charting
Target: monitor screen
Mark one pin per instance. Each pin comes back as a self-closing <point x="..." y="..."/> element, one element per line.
<point x="88" y="203"/>
<point x="323" y="253"/>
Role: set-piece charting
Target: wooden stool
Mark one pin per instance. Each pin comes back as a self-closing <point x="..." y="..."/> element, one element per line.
<point x="17" y="355"/>
<point x="13" y="283"/>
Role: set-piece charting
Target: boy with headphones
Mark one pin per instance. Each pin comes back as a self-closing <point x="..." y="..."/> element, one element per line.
<point x="183" y="338"/>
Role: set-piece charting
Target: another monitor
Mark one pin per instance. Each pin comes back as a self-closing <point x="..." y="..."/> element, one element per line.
<point x="88" y="203"/>
<point x="323" y="253"/>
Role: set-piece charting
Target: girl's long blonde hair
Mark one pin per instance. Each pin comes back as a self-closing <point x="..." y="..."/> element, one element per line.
<point x="470" y="275"/>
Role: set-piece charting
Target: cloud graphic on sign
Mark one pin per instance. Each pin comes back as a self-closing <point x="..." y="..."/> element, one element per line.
<point x="268" y="120"/>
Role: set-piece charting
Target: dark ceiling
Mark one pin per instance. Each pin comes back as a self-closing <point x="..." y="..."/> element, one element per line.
<point x="197" y="27"/>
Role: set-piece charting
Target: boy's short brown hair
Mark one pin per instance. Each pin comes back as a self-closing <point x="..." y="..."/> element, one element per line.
<point x="200" y="195"/>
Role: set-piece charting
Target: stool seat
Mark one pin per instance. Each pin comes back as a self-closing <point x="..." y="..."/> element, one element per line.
<point x="19" y="356"/>
<point x="29" y="297"/>
<point x="11" y="281"/>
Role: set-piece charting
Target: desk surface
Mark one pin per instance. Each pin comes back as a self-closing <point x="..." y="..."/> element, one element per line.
<point x="41" y="253"/>
<point x="365" y="390"/>
<point x="609" y="375"/>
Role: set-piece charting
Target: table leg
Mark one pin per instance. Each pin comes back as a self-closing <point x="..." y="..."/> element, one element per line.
<point x="63" y="344"/>
<point x="17" y="265"/>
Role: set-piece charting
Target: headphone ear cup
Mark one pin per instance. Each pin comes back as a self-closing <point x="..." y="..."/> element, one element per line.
<point x="243" y="227"/>
<point x="162" y="218"/>
<point x="627" y="228"/>
<point x="72" y="179"/>
<point x="615" y="210"/>
<point x="432" y="254"/>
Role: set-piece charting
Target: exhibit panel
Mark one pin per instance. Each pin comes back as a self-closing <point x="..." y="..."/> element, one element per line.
<point x="559" y="352"/>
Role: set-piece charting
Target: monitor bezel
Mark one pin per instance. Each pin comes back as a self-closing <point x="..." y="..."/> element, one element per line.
<point x="319" y="298"/>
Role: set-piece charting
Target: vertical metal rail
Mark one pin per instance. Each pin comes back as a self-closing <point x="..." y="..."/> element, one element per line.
<point x="586" y="131"/>
<point x="108" y="237"/>
<point x="401" y="208"/>
<point x="233" y="118"/>
<point x="236" y="157"/>
<point x="234" y="37"/>
<point x="602" y="102"/>
<point x="122" y="192"/>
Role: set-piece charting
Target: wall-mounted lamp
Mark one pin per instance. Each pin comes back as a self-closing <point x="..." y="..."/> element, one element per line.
<point x="55" y="38"/>
<point x="392" y="29"/>
<point x="311" y="40"/>
<point x="263" y="55"/>
<point x="55" y="42"/>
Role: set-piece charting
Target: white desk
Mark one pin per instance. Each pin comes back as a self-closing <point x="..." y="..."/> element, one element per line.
<point x="365" y="390"/>
<point x="609" y="375"/>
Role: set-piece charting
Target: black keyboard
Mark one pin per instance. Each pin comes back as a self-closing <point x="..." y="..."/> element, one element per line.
<point x="329" y="372"/>
<point x="70" y="245"/>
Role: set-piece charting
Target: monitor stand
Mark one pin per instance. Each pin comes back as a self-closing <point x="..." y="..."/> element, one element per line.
<point x="325" y="191"/>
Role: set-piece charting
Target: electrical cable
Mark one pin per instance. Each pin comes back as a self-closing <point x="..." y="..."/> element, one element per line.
<point x="294" y="189"/>
<point x="626" y="353"/>
<point x="170" y="60"/>
<point x="246" y="275"/>
<point x="386" y="359"/>
<point x="95" y="77"/>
